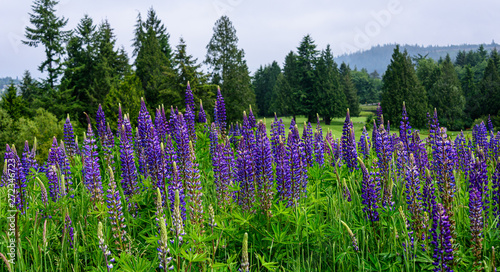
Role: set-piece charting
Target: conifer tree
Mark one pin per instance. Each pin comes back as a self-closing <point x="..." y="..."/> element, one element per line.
<point x="401" y="85"/>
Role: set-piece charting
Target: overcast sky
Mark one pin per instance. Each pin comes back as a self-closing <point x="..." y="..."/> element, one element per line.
<point x="267" y="30"/>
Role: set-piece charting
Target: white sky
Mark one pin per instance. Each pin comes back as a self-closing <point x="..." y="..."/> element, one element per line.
<point x="267" y="30"/>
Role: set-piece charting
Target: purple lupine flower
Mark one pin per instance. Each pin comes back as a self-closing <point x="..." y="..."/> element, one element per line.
<point x="379" y="113"/>
<point x="65" y="168"/>
<point x="189" y="99"/>
<point x="91" y="170"/>
<point x="383" y="148"/>
<point x="247" y="132"/>
<point x="108" y="146"/>
<point x="119" y="122"/>
<point x="214" y="139"/>
<point x="174" y="186"/>
<point x="245" y="175"/>
<point x="128" y="168"/>
<point x="319" y="144"/>
<point x="428" y="192"/>
<point x="364" y="144"/>
<point x="414" y="196"/>
<point x="297" y="164"/>
<point x="282" y="171"/>
<point x="220" y="112"/>
<point x="490" y="125"/>
<point x="202" y="117"/>
<point x="189" y="117"/>
<point x="169" y="157"/>
<point x="144" y="124"/>
<point x="116" y="212"/>
<point x="264" y="171"/>
<point x="277" y="132"/>
<point x="154" y="160"/>
<point x="476" y="221"/>
<point x="69" y="138"/>
<point x="405" y="132"/>
<point x="15" y="180"/>
<point x="480" y="137"/>
<point x="495" y="180"/>
<point x="434" y="129"/>
<point x="442" y="165"/>
<point x="181" y="138"/>
<point x="160" y="125"/>
<point x="495" y="145"/>
<point x="28" y="162"/>
<point x="441" y="239"/>
<point x="478" y="178"/>
<point x="251" y="118"/>
<point x="100" y="120"/>
<point x="374" y="134"/>
<point x="52" y="169"/>
<point x="346" y="193"/>
<point x="369" y="193"/>
<point x="349" y="153"/>
<point x="292" y="124"/>
<point x="307" y="138"/>
<point x="223" y="165"/>
<point x="234" y="135"/>
<point x="68" y="228"/>
<point x="463" y="153"/>
<point x="417" y="147"/>
<point x="193" y="185"/>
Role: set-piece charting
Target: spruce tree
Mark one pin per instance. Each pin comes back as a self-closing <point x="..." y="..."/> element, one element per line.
<point x="263" y="83"/>
<point x="306" y="65"/>
<point x="401" y="85"/>
<point x="349" y="89"/>
<point x="330" y="100"/>
<point x="229" y="69"/>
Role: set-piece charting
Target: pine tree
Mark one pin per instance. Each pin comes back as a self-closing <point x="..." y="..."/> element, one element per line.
<point x="349" y="89"/>
<point x="401" y="85"/>
<point x="47" y="31"/>
<point x="30" y="88"/>
<point x="229" y="69"/>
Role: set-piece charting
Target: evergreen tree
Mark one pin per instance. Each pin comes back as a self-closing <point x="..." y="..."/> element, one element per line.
<point x="287" y="89"/>
<point x="229" y="69"/>
<point x="330" y="100"/>
<point x="447" y="97"/>
<point x="187" y="70"/>
<point x="13" y="104"/>
<point x="263" y="83"/>
<point x="401" y="85"/>
<point x="141" y="28"/>
<point x="470" y="92"/>
<point x="306" y="64"/>
<point x="30" y="89"/>
<point x="47" y="31"/>
<point x="489" y="90"/>
<point x="349" y="89"/>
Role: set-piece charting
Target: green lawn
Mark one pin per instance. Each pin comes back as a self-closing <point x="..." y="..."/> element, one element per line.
<point x="358" y="123"/>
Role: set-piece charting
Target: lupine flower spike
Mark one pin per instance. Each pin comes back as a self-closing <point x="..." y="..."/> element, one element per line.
<point x="104" y="247"/>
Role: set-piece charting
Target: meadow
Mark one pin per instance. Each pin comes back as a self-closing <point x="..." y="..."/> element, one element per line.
<point x="184" y="194"/>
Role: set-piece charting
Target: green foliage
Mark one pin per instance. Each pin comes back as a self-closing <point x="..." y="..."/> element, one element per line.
<point x="47" y="31"/>
<point x="402" y="85"/>
<point x="264" y="82"/>
<point x="368" y="86"/>
<point x="14" y="104"/>
<point x="229" y="69"/>
<point x="350" y="91"/>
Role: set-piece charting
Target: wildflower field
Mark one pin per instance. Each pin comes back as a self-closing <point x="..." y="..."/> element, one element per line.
<point x="184" y="194"/>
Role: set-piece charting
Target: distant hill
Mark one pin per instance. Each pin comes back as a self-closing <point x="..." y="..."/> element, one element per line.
<point x="378" y="57"/>
<point x="6" y="81"/>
